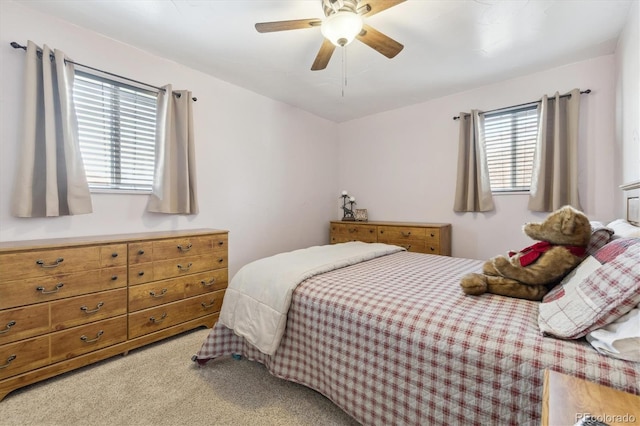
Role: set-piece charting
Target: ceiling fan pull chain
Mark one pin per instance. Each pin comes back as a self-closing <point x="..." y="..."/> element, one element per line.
<point x="344" y="68"/>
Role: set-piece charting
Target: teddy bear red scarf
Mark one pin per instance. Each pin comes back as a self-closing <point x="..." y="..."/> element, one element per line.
<point x="532" y="253"/>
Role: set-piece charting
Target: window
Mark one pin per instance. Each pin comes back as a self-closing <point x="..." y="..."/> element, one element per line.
<point x="117" y="125"/>
<point x="510" y="140"/>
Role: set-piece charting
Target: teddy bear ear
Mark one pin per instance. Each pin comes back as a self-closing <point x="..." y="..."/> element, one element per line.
<point x="568" y="222"/>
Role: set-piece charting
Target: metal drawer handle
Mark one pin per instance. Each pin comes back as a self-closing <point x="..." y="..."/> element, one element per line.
<point x="406" y="234"/>
<point x="162" y="293"/>
<point x="8" y="327"/>
<point x="6" y="364"/>
<point x="57" y="262"/>
<point x="141" y="273"/>
<point x="185" y="248"/>
<point x="157" y="321"/>
<point x="220" y="243"/>
<point x="208" y="283"/>
<point x="432" y="249"/>
<point x="114" y="277"/>
<point x="211" y="303"/>
<point x="91" y="311"/>
<point x="221" y="260"/>
<point x="185" y="268"/>
<point x="43" y="291"/>
<point x="140" y="252"/>
<point x="95" y="339"/>
<point x="114" y="254"/>
<point x="433" y="235"/>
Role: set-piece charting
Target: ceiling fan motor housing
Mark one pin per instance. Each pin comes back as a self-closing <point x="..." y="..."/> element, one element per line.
<point x="332" y="6"/>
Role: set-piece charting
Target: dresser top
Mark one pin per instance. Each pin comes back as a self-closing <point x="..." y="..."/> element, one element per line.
<point x="6" y="246"/>
<point x="387" y="223"/>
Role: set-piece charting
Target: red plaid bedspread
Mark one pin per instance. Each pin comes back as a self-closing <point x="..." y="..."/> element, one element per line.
<point x="393" y="341"/>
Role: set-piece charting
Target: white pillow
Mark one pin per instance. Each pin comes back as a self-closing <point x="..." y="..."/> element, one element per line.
<point x="624" y="229"/>
<point x="620" y="339"/>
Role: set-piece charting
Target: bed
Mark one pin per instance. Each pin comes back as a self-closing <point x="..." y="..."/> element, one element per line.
<point x="393" y="340"/>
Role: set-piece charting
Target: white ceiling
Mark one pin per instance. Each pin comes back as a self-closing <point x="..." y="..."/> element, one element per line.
<point x="450" y="45"/>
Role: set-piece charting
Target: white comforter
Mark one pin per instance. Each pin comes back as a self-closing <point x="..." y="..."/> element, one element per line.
<point x="257" y="300"/>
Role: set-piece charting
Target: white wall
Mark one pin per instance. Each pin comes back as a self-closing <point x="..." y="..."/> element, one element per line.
<point x="401" y="165"/>
<point x="628" y="102"/>
<point x="267" y="172"/>
<point x="271" y="174"/>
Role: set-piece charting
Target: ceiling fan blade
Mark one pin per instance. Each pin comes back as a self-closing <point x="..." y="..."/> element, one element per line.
<point x="380" y="42"/>
<point x="297" y="24"/>
<point x="371" y="7"/>
<point x="322" y="59"/>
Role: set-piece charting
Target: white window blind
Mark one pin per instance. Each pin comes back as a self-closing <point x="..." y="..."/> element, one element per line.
<point x="510" y="140"/>
<point x="117" y="125"/>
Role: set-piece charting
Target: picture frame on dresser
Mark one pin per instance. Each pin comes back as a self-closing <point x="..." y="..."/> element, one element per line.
<point x="361" y="215"/>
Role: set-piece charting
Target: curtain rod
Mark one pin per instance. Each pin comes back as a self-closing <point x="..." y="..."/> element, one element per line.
<point x="584" y="92"/>
<point x="18" y="46"/>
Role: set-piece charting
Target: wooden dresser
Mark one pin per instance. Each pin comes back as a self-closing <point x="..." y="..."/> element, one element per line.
<point x="66" y="303"/>
<point x="431" y="238"/>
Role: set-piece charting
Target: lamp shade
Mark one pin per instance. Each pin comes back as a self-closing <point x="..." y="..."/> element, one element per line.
<point x="341" y="27"/>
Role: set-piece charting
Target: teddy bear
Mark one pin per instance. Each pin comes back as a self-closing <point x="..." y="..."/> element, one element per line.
<point x="530" y="273"/>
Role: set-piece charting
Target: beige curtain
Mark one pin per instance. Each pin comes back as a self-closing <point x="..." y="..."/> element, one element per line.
<point x="473" y="189"/>
<point x="554" y="181"/>
<point x="50" y="179"/>
<point x="174" y="182"/>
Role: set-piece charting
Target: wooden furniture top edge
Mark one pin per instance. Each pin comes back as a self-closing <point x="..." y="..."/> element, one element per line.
<point x="6" y="246"/>
<point x="388" y="223"/>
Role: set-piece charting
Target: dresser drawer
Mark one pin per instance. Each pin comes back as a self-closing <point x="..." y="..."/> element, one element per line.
<point x="206" y="282"/>
<point x="158" y="318"/>
<point x="401" y="233"/>
<point x="37" y="290"/>
<point x="187" y="265"/>
<point x="87" y="338"/>
<point x="25" y="355"/>
<point x="140" y="273"/>
<point x="155" y="293"/>
<point x="45" y="263"/>
<point x="343" y="232"/>
<point x="21" y="323"/>
<point x="181" y="247"/>
<point x="80" y="310"/>
<point x="141" y="252"/>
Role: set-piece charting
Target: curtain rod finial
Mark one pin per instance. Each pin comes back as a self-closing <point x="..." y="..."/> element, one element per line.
<point x="17" y="46"/>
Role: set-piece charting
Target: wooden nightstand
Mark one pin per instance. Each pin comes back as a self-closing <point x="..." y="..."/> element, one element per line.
<point x="566" y="399"/>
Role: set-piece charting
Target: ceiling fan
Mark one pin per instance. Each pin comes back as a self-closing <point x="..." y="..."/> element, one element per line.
<point x="342" y="23"/>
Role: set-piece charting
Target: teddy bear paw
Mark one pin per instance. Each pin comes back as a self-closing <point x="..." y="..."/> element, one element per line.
<point x="500" y="262"/>
<point x="474" y="284"/>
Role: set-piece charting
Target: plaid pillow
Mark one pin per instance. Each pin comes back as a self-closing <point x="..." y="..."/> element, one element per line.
<point x="600" y="235"/>
<point x="601" y="289"/>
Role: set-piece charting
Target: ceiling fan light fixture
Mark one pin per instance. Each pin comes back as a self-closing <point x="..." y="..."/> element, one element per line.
<point x="341" y="27"/>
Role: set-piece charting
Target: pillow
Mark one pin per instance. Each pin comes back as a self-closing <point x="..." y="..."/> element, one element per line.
<point x="621" y="338"/>
<point x="600" y="235"/>
<point x="602" y="288"/>
<point x="624" y="229"/>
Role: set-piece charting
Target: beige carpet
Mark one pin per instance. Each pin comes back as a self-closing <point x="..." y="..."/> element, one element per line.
<point x="159" y="385"/>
